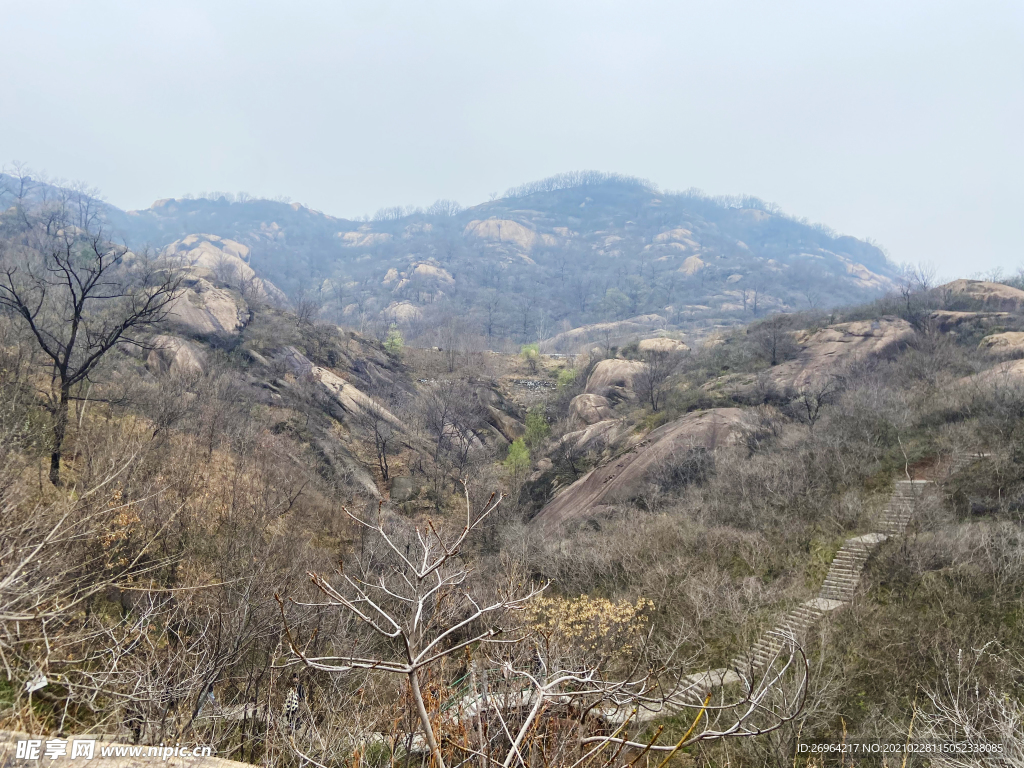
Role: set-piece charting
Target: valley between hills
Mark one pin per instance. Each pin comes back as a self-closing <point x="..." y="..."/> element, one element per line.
<point x="588" y="474"/>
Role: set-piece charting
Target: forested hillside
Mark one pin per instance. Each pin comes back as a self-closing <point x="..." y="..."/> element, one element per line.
<point x="226" y="520"/>
<point x="565" y="253"/>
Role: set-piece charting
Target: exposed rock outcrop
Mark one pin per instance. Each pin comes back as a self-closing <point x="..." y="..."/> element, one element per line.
<point x="624" y="477"/>
<point x="433" y="272"/>
<point x="825" y="351"/>
<point x="692" y="265"/>
<point x="347" y="395"/>
<point x="589" y="409"/>
<point x="596" y="437"/>
<point x="503" y="231"/>
<point x="1008" y="343"/>
<point x="663" y="344"/>
<point x="616" y="333"/>
<point x="402" y="312"/>
<point x="990" y="295"/>
<point x="945" y="320"/>
<point x="205" y="310"/>
<point x="613" y="378"/>
<point x="1010" y="374"/>
<point x="174" y="356"/>
<point x="227" y="260"/>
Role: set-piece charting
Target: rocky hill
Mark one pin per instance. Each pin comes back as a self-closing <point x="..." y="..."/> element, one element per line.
<point x="576" y="259"/>
<point x="719" y="386"/>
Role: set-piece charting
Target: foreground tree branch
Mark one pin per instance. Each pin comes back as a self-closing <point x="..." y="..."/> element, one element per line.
<point x="77" y="295"/>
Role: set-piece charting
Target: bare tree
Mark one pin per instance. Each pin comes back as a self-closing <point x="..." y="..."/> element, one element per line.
<point x="378" y="418"/>
<point x="807" y="402"/>
<point x="581" y="292"/>
<point x="78" y="295"/>
<point x="774" y="340"/>
<point x="526" y="308"/>
<point x="308" y="308"/>
<point x="421" y="606"/>
<point x="913" y="280"/>
<point x="450" y="414"/>
<point x="451" y="337"/>
<point x="650" y="381"/>
<point x="492" y="309"/>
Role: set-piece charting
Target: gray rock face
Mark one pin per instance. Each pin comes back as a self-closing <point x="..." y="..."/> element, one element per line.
<point x="827" y="350"/>
<point x="662" y="344"/>
<point x="589" y="409"/>
<point x="948" y="321"/>
<point x="613" y="378"/>
<point x="205" y="310"/>
<point x="228" y="260"/>
<point x="597" y="437"/>
<point x="991" y="295"/>
<point x="624" y="477"/>
<point x="1010" y="343"/>
<point x="174" y="356"/>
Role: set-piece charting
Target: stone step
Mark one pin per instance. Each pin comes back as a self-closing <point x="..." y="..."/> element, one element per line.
<point x="842" y="592"/>
<point x="862" y="545"/>
<point x="839" y="584"/>
<point x="842" y="576"/>
<point x="843" y="566"/>
<point x="851" y="566"/>
<point x="844" y="587"/>
<point x="830" y="582"/>
<point x="836" y="573"/>
<point x="809" y="610"/>
<point x="843" y="597"/>
<point x="847" y="570"/>
<point x="846" y="563"/>
<point x="857" y="555"/>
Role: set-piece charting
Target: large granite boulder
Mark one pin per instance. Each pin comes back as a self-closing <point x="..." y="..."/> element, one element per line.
<point x="992" y="296"/>
<point x="174" y="356"/>
<point x="613" y="378"/>
<point x="588" y="409"/>
<point x="202" y="309"/>
<point x="663" y="344"/>
<point x="1007" y="344"/>
<point x="227" y="260"/>
<point x="950" y="321"/>
<point x="597" y="437"/>
<point x="624" y="477"/>
<point x="828" y="350"/>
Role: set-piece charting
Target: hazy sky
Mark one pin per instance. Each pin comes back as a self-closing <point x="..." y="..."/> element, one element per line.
<point x="901" y="121"/>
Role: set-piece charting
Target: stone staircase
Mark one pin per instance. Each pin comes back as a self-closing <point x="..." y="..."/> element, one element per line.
<point x="900" y="509"/>
<point x="964" y="460"/>
<point x="838" y="589"/>
<point x="840" y="584"/>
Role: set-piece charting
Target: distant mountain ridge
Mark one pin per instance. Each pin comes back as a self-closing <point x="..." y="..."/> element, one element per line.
<point x="551" y="256"/>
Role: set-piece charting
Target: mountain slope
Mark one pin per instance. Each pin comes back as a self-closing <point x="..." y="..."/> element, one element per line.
<point x="549" y="257"/>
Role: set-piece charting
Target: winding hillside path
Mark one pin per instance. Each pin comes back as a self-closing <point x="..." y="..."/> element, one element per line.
<point x="836" y="591"/>
<point x="843" y="577"/>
